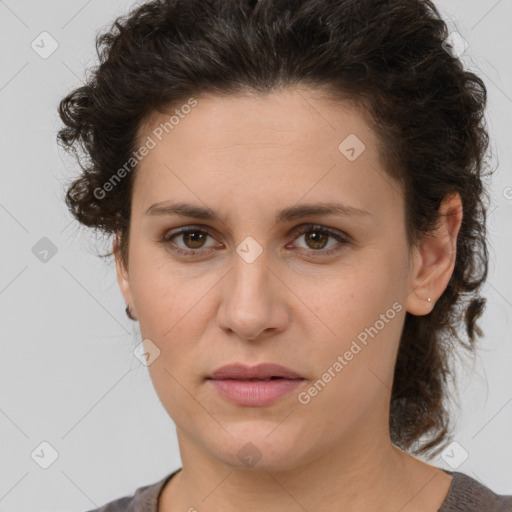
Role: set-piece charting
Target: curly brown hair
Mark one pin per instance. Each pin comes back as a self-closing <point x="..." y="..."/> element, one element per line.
<point x="387" y="56"/>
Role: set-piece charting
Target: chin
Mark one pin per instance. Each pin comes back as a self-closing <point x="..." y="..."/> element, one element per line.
<point x="256" y="447"/>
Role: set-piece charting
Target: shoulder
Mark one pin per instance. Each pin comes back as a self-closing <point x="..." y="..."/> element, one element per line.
<point x="468" y="495"/>
<point x="145" y="498"/>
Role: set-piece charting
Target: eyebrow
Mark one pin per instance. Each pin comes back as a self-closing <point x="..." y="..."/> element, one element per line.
<point x="287" y="214"/>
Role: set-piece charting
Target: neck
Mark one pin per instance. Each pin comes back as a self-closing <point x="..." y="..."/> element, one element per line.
<point x="369" y="476"/>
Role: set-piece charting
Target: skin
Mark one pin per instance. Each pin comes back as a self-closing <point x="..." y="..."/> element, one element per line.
<point x="248" y="157"/>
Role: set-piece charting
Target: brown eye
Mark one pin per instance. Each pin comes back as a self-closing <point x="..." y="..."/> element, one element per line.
<point x="317" y="238"/>
<point x="192" y="238"/>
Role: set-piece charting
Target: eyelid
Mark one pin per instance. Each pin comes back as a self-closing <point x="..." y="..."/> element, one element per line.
<point x="340" y="236"/>
<point x="169" y="235"/>
<point x="309" y="226"/>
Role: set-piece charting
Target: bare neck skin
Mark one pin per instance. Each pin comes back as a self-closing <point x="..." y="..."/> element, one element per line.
<point x="379" y="477"/>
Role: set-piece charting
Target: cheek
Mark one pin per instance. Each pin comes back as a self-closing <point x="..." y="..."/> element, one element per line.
<point x="174" y="313"/>
<point x="354" y="367"/>
<point x="168" y="300"/>
<point x="359" y="317"/>
<point x="352" y="296"/>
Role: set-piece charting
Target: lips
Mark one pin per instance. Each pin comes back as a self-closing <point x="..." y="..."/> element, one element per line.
<point x="260" y="372"/>
<point x="254" y="386"/>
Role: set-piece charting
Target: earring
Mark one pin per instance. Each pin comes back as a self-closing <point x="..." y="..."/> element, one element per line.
<point x="129" y="313"/>
<point x="429" y="299"/>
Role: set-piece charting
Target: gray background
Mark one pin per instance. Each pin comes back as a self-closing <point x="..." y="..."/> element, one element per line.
<point x="67" y="372"/>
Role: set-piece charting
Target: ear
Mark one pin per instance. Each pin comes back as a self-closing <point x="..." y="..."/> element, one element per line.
<point x="434" y="259"/>
<point x="122" y="277"/>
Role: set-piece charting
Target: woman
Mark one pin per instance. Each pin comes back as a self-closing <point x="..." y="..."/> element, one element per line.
<point x="295" y="195"/>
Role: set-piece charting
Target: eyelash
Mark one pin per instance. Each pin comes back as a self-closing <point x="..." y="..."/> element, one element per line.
<point x="300" y="230"/>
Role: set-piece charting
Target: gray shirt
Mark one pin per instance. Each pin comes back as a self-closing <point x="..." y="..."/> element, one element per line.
<point x="464" y="495"/>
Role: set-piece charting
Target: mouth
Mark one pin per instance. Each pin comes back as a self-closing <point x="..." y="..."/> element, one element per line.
<point x="255" y="386"/>
<point x="258" y="380"/>
<point x="261" y="372"/>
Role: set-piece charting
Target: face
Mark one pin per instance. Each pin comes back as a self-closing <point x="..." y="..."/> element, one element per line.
<point x="323" y="294"/>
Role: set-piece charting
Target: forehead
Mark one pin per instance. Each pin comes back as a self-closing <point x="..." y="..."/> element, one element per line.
<point x="281" y="145"/>
<point x="284" y="117"/>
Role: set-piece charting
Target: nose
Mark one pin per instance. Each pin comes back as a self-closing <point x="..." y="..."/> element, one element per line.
<point x="254" y="302"/>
